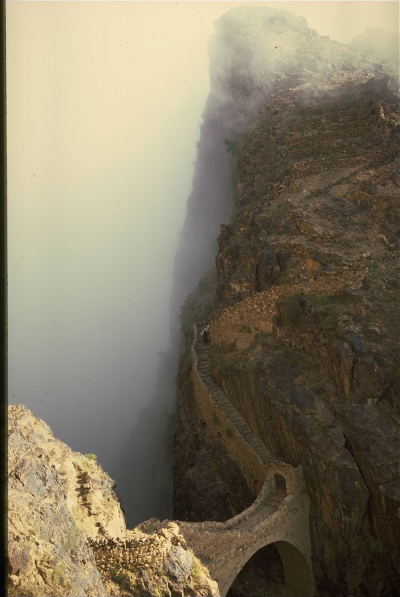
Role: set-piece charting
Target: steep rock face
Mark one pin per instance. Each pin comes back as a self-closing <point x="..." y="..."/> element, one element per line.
<point x="47" y="550"/>
<point x="254" y="53"/>
<point x="67" y="532"/>
<point x="304" y="313"/>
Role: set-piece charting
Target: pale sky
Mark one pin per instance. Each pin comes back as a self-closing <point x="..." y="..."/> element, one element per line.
<point x="104" y="103"/>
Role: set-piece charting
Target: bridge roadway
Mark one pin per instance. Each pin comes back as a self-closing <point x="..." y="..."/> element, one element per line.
<point x="279" y="515"/>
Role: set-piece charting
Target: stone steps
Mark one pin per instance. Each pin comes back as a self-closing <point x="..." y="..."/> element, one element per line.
<point x="242" y="427"/>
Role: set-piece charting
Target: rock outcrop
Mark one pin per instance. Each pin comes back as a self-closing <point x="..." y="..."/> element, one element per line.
<point x="67" y="532"/>
<point x="303" y="314"/>
<point x="49" y="499"/>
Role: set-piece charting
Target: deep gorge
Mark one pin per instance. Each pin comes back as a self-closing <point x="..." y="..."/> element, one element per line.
<point x="312" y="369"/>
<point x="282" y="430"/>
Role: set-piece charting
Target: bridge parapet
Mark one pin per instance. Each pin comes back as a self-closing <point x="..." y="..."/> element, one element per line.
<point x="273" y="518"/>
<point x="226" y="425"/>
<point x="280" y="512"/>
<point x="278" y="515"/>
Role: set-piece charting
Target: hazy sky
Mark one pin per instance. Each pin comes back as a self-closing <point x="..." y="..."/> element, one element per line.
<point x="104" y="104"/>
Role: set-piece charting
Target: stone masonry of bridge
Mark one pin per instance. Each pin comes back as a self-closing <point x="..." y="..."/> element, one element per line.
<point x="225" y="424"/>
<point x="279" y="515"/>
<point x="274" y="517"/>
<point x="225" y="547"/>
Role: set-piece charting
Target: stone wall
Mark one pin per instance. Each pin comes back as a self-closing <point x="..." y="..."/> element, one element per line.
<point x="273" y="518"/>
<point x="240" y="323"/>
<point x="223" y="547"/>
<point x="226" y="425"/>
<point x="135" y="553"/>
<point x="158" y="562"/>
<point x="279" y="515"/>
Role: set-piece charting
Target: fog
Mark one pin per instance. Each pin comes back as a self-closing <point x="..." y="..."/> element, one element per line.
<point x="104" y="103"/>
<point x="103" y="121"/>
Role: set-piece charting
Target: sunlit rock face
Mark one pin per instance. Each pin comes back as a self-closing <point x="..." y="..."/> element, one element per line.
<point x="66" y="528"/>
<point x="47" y="513"/>
<point x="303" y="308"/>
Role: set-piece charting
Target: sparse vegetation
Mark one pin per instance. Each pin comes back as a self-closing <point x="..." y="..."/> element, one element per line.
<point x="251" y="366"/>
<point x="158" y="592"/>
<point x="373" y="269"/>
<point x="198" y="572"/>
<point x="185" y="369"/>
<point x="199" y="301"/>
<point x="106" y="487"/>
<point x="366" y="554"/>
<point x="292" y="309"/>
<point x="320" y="300"/>
<point x="13" y="591"/>
<point x="121" y="577"/>
<point x="71" y="538"/>
<point x="59" y="577"/>
<point x="215" y="419"/>
<point x="91" y="456"/>
<point x="230" y="146"/>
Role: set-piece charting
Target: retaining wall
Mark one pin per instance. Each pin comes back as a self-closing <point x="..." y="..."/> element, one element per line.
<point x="226" y="425"/>
<point x="241" y="322"/>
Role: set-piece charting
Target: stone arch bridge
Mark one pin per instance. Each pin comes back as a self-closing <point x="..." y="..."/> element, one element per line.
<point x="278" y="516"/>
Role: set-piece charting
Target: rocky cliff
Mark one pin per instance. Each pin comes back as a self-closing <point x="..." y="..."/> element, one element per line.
<point x="303" y="304"/>
<point x="67" y="533"/>
<point x="299" y="157"/>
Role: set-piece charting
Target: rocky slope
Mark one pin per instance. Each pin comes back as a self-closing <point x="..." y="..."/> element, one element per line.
<point x="381" y="44"/>
<point x="254" y="53"/>
<point x="67" y="532"/>
<point x="314" y="234"/>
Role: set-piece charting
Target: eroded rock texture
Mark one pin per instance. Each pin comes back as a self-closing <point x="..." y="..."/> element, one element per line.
<point x="46" y="546"/>
<point x="66" y="529"/>
<point x="304" y="310"/>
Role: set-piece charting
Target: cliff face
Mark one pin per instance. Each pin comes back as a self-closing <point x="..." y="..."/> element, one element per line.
<point x="67" y="532"/>
<point x="254" y="53"/>
<point x="303" y="311"/>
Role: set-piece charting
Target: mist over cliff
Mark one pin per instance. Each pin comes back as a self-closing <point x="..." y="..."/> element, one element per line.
<point x="379" y="44"/>
<point x="254" y="53"/>
<point x="102" y="129"/>
<point x="104" y="110"/>
<point x="310" y="251"/>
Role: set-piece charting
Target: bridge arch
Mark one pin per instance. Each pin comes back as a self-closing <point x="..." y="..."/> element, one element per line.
<point x="297" y="577"/>
<point x="280" y="483"/>
<point x="280" y="513"/>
